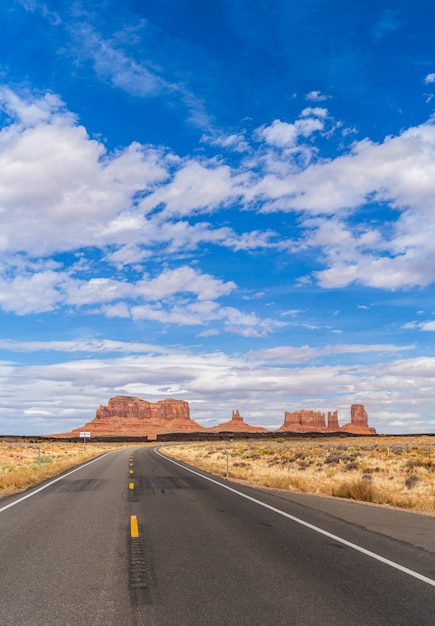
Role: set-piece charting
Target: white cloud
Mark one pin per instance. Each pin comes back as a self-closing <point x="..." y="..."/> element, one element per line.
<point x="130" y="202"/>
<point x="284" y="135"/>
<point x="399" y="172"/>
<point x="316" y="96"/>
<point x="293" y="354"/>
<point x="235" y="142"/>
<point x="184" y="280"/>
<point x="71" y="184"/>
<point x="45" y="291"/>
<point x="196" y="187"/>
<point x="428" y="325"/>
<point x="36" y="293"/>
<point x="429" y="79"/>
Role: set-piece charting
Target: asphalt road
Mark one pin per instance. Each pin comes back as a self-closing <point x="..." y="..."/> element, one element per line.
<point x="209" y="552"/>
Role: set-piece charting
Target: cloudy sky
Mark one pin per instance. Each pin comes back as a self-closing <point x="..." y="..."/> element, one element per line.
<point x="229" y="203"/>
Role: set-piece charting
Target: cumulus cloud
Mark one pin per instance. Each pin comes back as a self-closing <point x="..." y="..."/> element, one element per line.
<point x="429" y="79"/>
<point x="399" y="173"/>
<point x="45" y="291"/>
<point x="53" y="174"/>
<point x="284" y="135"/>
<point x="197" y="187"/>
<point x="142" y="198"/>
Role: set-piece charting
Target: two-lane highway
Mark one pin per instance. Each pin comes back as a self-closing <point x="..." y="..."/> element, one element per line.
<point x="209" y="552"/>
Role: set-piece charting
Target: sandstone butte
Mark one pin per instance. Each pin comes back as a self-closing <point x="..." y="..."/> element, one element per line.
<point x="314" y="421"/>
<point x="132" y="417"/>
<point x="236" y="425"/>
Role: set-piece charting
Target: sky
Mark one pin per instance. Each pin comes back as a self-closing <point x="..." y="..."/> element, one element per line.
<point x="228" y="203"/>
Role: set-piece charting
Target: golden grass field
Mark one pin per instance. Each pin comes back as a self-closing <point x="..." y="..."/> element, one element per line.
<point x="24" y="464"/>
<point x="395" y="471"/>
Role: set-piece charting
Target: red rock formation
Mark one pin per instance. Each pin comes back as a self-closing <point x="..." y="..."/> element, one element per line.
<point x="333" y="425"/>
<point x="131" y="416"/>
<point x="314" y="421"/>
<point x="359" y="421"/>
<point x="237" y="425"/>
<point x="304" y="421"/>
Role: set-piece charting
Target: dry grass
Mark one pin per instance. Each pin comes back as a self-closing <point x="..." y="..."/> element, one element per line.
<point x="24" y="464"/>
<point x="386" y="470"/>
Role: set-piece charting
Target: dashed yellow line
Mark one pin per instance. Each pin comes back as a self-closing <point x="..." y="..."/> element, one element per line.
<point x="134" y="527"/>
<point x="131" y="485"/>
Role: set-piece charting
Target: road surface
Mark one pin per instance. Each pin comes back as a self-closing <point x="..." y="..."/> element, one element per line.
<point x="208" y="552"/>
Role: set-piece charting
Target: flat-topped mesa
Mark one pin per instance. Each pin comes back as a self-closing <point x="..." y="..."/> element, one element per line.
<point x="236" y="425"/>
<point x="131" y="416"/>
<point x="304" y="421"/>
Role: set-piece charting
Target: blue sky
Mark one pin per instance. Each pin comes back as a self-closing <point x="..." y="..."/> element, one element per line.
<point x="229" y="203"/>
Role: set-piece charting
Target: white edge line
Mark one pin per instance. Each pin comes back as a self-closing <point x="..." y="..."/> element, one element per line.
<point x="349" y="544"/>
<point x="35" y="491"/>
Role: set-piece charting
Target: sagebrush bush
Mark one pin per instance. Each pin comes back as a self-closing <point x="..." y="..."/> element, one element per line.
<point x="411" y="481"/>
<point x="355" y="490"/>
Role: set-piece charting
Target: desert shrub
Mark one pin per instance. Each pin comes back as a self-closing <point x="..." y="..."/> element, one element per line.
<point x="367" y="478"/>
<point x="398" y="449"/>
<point x="332" y="459"/>
<point x="419" y="462"/>
<point x="298" y="455"/>
<point x="46" y="458"/>
<point x="273" y="461"/>
<point x="280" y="440"/>
<point x="411" y="481"/>
<point x="241" y="464"/>
<point x="350" y="467"/>
<point x="355" y="490"/>
<point x="348" y="458"/>
<point x="304" y="464"/>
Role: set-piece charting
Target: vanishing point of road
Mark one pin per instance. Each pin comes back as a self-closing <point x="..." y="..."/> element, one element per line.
<point x="132" y="538"/>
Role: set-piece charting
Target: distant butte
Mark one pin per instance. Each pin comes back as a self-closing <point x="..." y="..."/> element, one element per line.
<point x="126" y="416"/>
<point x="236" y="425"/>
<point x="314" y="421"/>
<point x="132" y="417"/>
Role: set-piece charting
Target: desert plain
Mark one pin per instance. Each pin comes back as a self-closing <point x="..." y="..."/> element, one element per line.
<point x="386" y="470"/>
<point x="24" y="464"/>
<point x="391" y="471"/>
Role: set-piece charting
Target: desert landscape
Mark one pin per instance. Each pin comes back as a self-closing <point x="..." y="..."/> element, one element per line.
<point x="309" y="453"/>
<point x="24" y="463"/>
<point x="395" y="471"/>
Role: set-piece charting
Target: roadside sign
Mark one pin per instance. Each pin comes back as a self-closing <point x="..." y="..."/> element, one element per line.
<point x="85" y="435"/>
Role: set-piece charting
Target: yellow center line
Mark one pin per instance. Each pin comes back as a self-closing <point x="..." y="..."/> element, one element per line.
<point x="134" y="527"/>
<point x="131" y="485"/>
